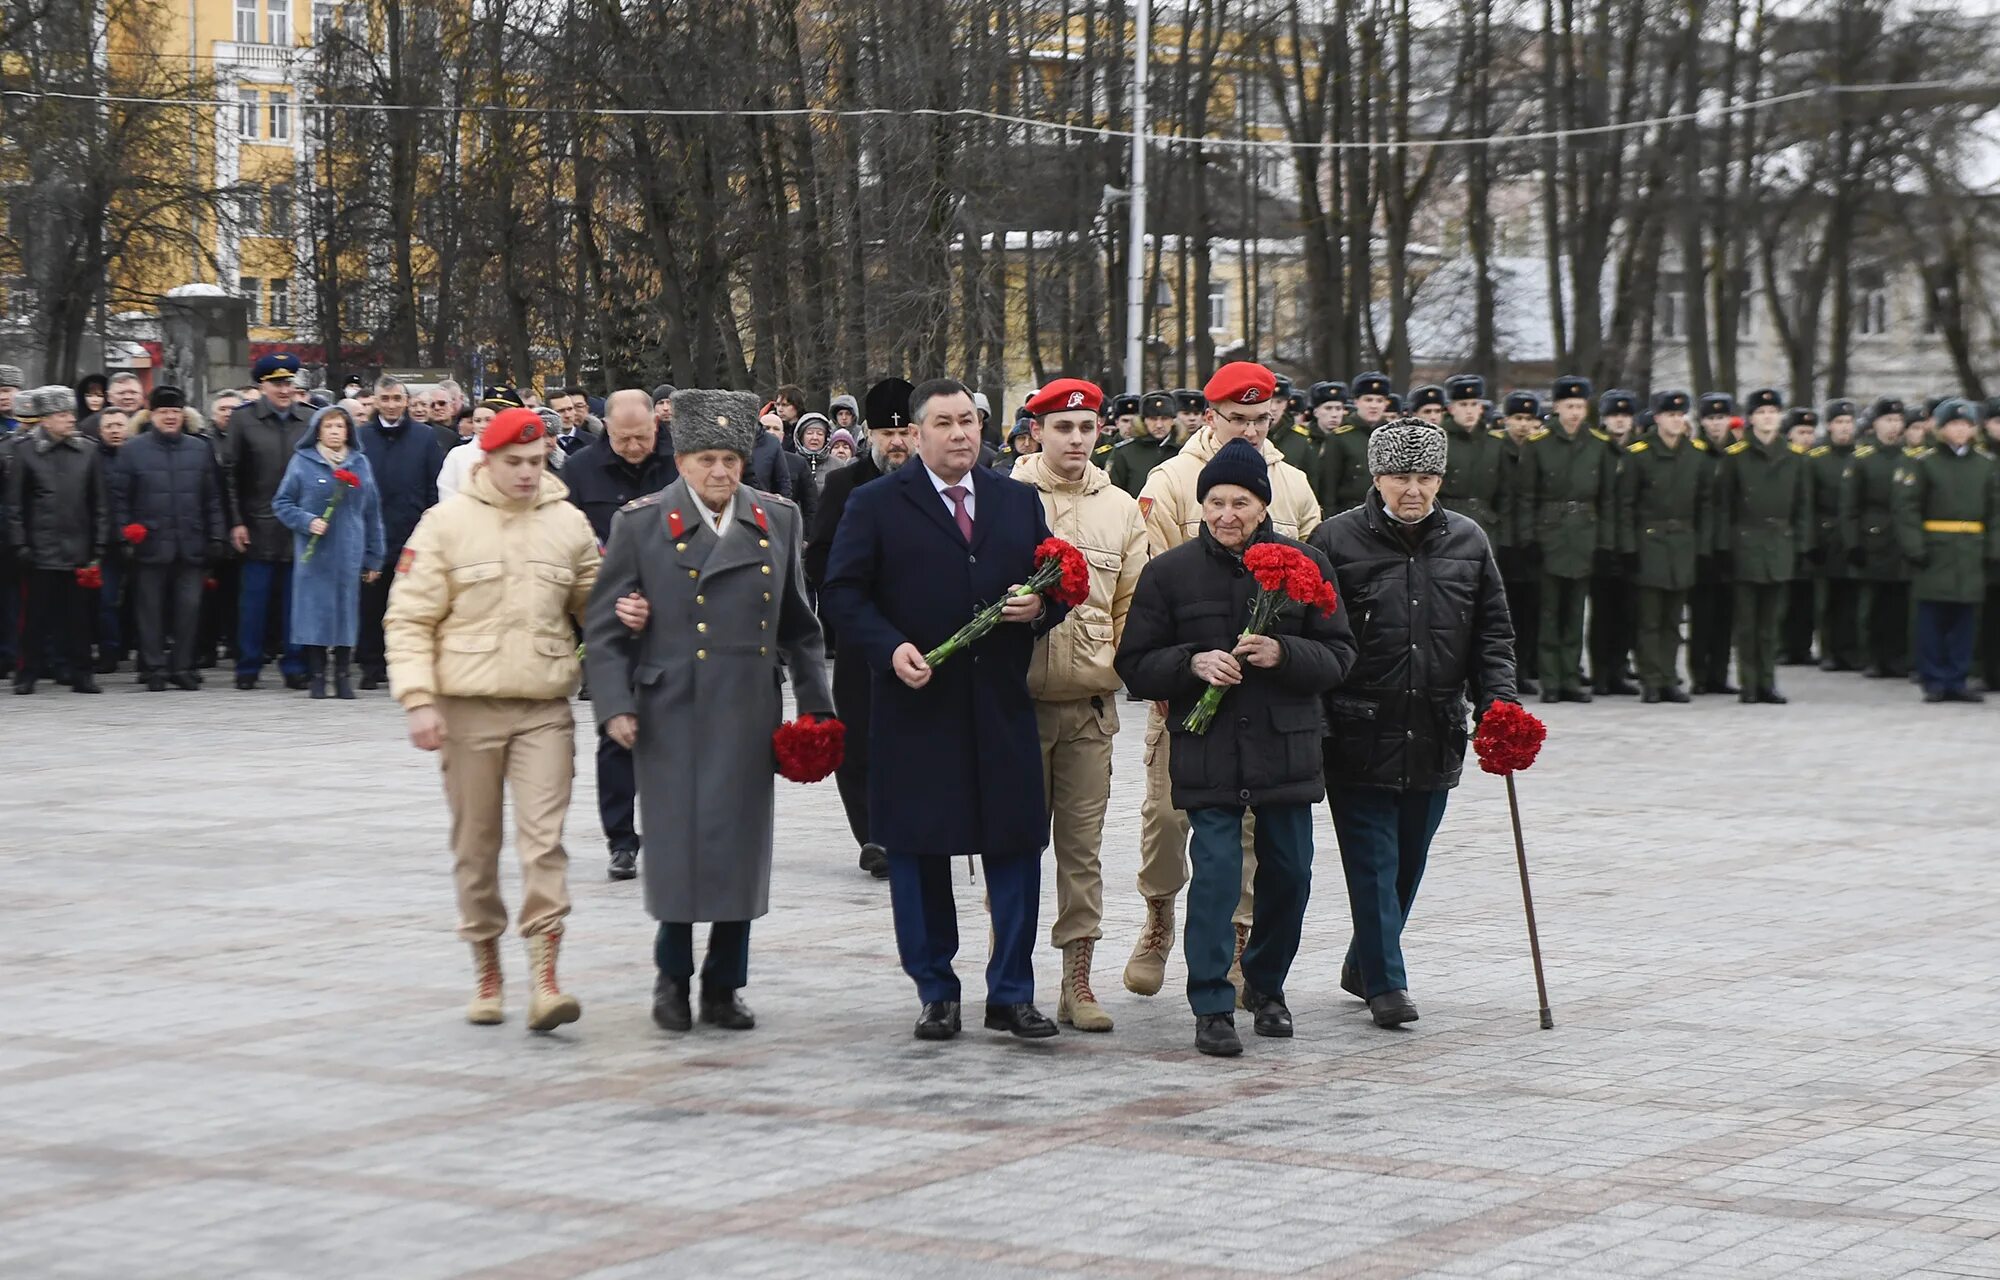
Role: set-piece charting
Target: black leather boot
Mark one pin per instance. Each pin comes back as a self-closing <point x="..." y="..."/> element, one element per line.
<point x="670" y="1004"/>
<point x="315" y="671"/>
<point x="343" y="681"/>
<point x="720" y="1007"/>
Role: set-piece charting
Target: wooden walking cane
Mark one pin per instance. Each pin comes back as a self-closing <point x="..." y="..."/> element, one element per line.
<point x="1528" y="904"/>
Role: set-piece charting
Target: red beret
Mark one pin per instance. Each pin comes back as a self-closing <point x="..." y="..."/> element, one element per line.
<point x="511" y="426"/>
<point x="1242" y="380"/>
<point x="1064" y="394"/>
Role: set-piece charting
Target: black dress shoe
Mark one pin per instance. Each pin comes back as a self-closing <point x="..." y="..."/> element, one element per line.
<point x="297" y="682"/>
<point x="938" y="1021"/>
<point x="1270" y="1016"/>
<point x="1527" y="684"/>
<point x="1726" y="688"/>
<point x="1576" y="695"/>
<point x="1828" y="664"/>
<point x="1650" y="696"/>
<point x="1023" y="1021"/>
<point x="670" y="1004"/>
<point x="186" y="680"/>
<point x="1747" y="696"/>
<point x="1675" y="694"/>
<point x="1215" y="1035"/>
<point x="1621" y="688"/>
<point x="624" y="864"/>
<point x="1875" y="671"/>
<point x="371" y="680"/>
<point x="1933" y="695"/>
<point x="721" y="1008"/>
<point x="246" y="682"/>
<point x="156" y="683"/>
<point x="1963" y="695"/>
<point x="1392" y="1009"/>
<point x="875" y="861"/>
<point x="1772" y="696"/>
<point x="85" y="684"/>
<point x="1350" y="982"/>
<point x="107" y="663"/>
<point x="1552" y="695"/>
<point x="24" y="684"/>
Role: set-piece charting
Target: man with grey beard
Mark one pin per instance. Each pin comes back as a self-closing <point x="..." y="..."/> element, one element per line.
<point x="892" y="440"/>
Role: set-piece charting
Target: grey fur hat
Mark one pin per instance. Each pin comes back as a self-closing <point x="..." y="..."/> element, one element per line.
<point x="1406" y="446"/>
<point x="43" y="401"/>
<point x="705" y="419"/>
<point x="10" y="375"/>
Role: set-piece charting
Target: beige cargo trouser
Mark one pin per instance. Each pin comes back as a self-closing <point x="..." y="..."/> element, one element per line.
<point x="1076" y="778"/>
<point x="1163" y="829"/>
<point x="493" y="746"/>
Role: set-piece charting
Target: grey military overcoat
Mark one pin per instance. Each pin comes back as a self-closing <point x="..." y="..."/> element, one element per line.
<point x="703" y="679"/>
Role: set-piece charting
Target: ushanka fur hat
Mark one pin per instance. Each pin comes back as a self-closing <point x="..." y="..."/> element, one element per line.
<point x="705" y="419"/>
<point x="1406" y="446"/>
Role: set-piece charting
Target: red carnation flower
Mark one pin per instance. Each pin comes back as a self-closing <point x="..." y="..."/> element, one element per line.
<point x="134" y="533"/>
<point x="1073" y="588"/>
<point x="808" y="748"/>
<point x="348" y="478"/>
<point x="90" y="577"/>
<point x="1509" y="738"/>
<point x="209" y="584"/>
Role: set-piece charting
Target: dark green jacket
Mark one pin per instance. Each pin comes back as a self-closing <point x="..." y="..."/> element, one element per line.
<point x="1476" y="470"/>
<point x="1565" y="501"/>
<point x="1300" y="443"/>
<point x="1764" y="518"/>
<point x="1134" y="460"/>
<point x="1101" y="455"/>
<point x="1828" y="465"/>
<point x="1867" y="513"/>
<point x="1665" y="501"/>
<point x="1947" y="516"/>
<point x="1342" y="480"/>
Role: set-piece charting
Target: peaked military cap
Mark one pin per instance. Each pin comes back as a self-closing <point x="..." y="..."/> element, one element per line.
<point x="278" y="366"/>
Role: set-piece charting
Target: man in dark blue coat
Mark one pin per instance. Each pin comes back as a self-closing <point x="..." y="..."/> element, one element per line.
<point x="406" y="458"/>
<point x="918" y="552"/>
<point x="168" y="483"/>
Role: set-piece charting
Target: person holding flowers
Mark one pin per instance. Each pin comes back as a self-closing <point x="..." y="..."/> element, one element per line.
<point x="917" y="554"/>
<point x="1436" y="644"/>
<point x="329" y="501"/>
<point x="1239" y="633"/>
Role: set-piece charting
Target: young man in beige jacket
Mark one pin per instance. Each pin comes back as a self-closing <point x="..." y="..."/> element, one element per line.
<point x="1242" y="404"/>
<point x="481" y="645"/>
<point x="1070" y="677"/>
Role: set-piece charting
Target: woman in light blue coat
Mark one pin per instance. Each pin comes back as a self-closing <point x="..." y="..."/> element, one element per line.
<point x="331" y="555"/>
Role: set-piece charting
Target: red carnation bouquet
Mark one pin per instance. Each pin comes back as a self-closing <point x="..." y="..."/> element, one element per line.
<point x="1285" y="576"/>
<point x="1061" y="573"/>
<point x="90" y="577"/>
<point x="134" y="533"/>
<point x="1509" y="738"/>
<point x="809" y="748"/>
<point x="343" y="480"/>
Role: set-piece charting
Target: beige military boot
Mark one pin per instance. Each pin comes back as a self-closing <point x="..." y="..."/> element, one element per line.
<point x="1236" y="966"/>
<point x="1077" y="1005"/>
<point x="548" y="1007"/>
<point x="485" y="1007"/>
<point x="1147" y="969"/>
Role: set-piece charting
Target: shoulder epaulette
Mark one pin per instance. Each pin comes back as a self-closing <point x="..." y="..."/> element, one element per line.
<point x="1343" y="429"/>
<point x="1300" y="429"/>
<point x="1864" y="450"/>
<point x="1738" y="447"/>
<point x="1914" y="451"/>
<point x="649" y="500"/>
<point x="1700" y="444"/>
<point x="1538" y="433"/>
<point x="1796" y="449"/>
<point x="778" y="498"/>
<point x="1601" y="435"/>
<point x="1819" y="451"/>
<point x="1637" y="446"/>
<point x="1923" y="452"/>
<point x="1498" y="433"/>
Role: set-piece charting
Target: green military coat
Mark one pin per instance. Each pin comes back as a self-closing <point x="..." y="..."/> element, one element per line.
<point x="1134" y="460"/>
<point x="1764" y="515"/>
<point x="1300" y="443"/>
<point x="1565" y="502"/>
<point x="1867" y="513"/>
<point x="1665" y="508"/>
<point x="1828" y="465"/>
<point x="1342" y="480"/>
<point x="1476" y="470"/>
<point x="1947" y="518"/>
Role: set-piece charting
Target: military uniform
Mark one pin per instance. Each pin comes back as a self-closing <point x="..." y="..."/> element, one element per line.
<point x="1300" y="443"/>
<point x="1136" y="458"/>
<point x="1764" y="523"/>
<point x="1521" y="577"/>
<point x="1947" y="520"/>
<point x="1664" y="498"/>
<point x="1838" y="596"/>
<point x="1711" y="604"/>
<point x="1343" y="479"/>
<point x="1867" y="513"/>
<point x="1613" y="601"/>
<point x="1562" y="506"/>
<point x="1475" y="478"/>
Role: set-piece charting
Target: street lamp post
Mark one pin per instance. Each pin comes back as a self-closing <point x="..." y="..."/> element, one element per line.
<point x="1135" y="249"/>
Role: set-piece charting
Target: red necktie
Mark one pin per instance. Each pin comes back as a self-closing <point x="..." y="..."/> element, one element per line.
<point x="958" y="493"/>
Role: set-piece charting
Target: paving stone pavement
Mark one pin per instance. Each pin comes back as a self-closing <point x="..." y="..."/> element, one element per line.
<point x="235" y="1046"/>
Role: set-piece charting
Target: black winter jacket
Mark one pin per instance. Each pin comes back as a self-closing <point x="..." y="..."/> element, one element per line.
<point x="1433" y="631"/>
<point x="172" y="485"/>
<point x="406" y="459"/>
<point x="767" y="469"/>
<point x="57" y="505"/>
<point x="1263" y="746"/>
<point x="600" y="481"/>
<point x="254" y="456"/>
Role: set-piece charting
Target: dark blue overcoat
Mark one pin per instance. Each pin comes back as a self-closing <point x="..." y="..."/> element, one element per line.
<point x="953" y="767"/>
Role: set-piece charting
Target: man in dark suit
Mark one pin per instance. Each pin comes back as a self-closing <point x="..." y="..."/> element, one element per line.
<point x="916" y="555"/>
<point x="892" y="441"/>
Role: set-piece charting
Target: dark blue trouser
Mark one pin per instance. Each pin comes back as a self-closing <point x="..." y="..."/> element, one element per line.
<point x="265" y="584"/>
<point x="1279" y="891"/>
<point x="725" y="967"/>
<point x="1944" y="643"/>
<point x="927" y="923"/>
<point x="110" y="611"/>
<point x="616" y="784"/>
<point x="1385" y="840"/>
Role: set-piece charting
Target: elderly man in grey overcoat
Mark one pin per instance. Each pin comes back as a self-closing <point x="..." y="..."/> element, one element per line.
<point x="700" y="595"/>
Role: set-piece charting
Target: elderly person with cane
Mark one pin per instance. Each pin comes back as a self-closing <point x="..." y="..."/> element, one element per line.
<point x="1436" y="645"/>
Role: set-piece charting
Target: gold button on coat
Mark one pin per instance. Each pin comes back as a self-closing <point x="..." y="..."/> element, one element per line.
<point x="701" y="626"/>
<point x="701" y="653"/>
<point x="766" y="568"/>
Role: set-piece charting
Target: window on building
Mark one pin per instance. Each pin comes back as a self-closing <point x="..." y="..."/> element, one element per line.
<point x="427" y="306"/>
<point x="1672" y="318"/>
<point x="281" y="115"/>
<point x="1218" y="308"/>
<point x="20" y="297"/>
<point x="246" y="113"/>
<point x="278" y="21"/>
<point x="249" y="211"/>
<point x="323" y="18"/>
<point x="1870" y="311"/>
<point x="278" y="211"/>
<point x="246" y="21"/>
<point x="252" y="290"/>
<point x="280" y="311"/>
<point x="354" y="20"/>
